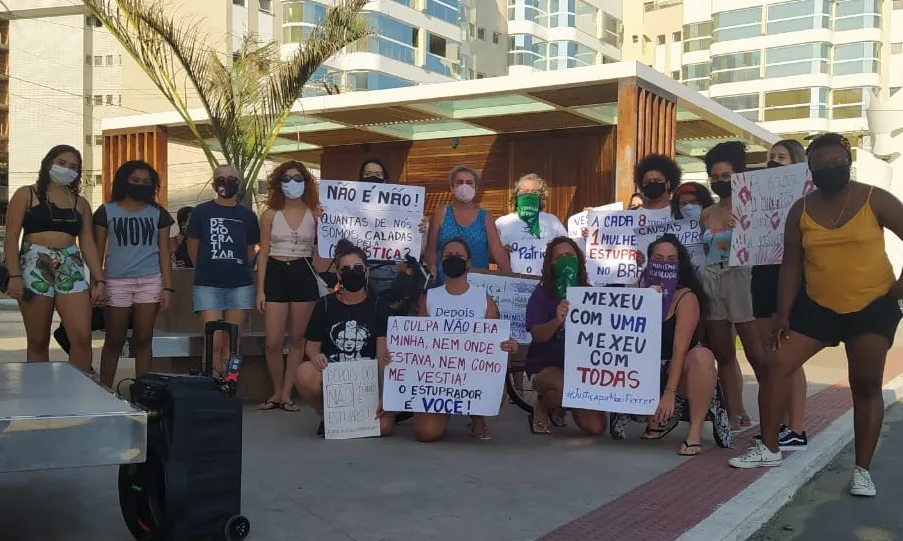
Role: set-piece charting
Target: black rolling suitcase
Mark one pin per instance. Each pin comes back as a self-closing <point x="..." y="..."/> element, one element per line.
<point x="189" y="488"/>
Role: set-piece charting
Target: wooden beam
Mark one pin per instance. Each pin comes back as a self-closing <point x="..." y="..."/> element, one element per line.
<point x="146" y="143"/>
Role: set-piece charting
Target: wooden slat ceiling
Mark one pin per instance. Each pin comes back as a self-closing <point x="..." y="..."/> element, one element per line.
<point x="525" y="122"/>
<point x="374" y="116"/>
<point x="328" y="138"/>
<point x="700" y="129"/>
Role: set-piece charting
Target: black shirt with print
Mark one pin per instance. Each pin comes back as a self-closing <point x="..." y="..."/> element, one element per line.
<point x="347" y="332"/>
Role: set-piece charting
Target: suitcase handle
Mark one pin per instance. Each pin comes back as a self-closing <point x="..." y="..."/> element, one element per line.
<point x="231" y="329"/>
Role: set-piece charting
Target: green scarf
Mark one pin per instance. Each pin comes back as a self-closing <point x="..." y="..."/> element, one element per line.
<point x="565" y="272"/>
<point x="528" y="211"/>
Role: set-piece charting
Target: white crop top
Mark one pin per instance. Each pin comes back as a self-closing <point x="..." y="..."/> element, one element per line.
<point x="469" y="305"/>
<point x="288" y="242"/>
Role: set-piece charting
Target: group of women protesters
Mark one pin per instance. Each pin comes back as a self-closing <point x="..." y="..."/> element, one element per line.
<point x="835" y="284"/>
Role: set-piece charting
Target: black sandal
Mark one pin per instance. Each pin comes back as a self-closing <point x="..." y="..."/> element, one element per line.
<point x="685" y="448"/>
<point x="660" y="431"/>
<point x="538" y="428"/>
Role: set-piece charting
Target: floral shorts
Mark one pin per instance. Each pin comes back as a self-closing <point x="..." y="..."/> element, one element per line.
<point x="52" y="271"/>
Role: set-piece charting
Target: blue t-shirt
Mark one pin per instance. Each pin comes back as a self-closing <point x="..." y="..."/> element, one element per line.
<point x="133" y="242"/>
<point x="224" y="234"/>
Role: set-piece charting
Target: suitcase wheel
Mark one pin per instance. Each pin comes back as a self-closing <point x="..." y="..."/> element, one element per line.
<point x="237" y="528"/>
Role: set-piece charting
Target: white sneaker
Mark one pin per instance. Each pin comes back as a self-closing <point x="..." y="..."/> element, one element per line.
<point x="861" y="484"/>
<point x="757" y="456"/>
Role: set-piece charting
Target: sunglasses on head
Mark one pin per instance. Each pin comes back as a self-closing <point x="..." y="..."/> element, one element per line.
<point x="225" y="179"/>
<point x="289" y="178"/>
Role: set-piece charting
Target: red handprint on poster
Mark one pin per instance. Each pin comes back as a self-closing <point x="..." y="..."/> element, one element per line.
<point x="775" y="221"/>
<point x="744" y="221"/>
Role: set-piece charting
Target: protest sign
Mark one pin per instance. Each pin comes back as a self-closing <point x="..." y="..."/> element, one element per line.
<point x="664" y="275"/>
<point x="612" y="349"/>
<point x="350" y="399"/>
<point x="445" y="365"/>
<point x="687" y="231"/>
<point x="611" y="247"/>
<point x="382" y="219"/>
<point x="511" y="295"/>
<point x="528" y="256"/>
<point x="577" y="222"/>
<point x="760" y="205"/>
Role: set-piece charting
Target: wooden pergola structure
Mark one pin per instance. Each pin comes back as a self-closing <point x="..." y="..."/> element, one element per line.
<point x="582" y="129"/>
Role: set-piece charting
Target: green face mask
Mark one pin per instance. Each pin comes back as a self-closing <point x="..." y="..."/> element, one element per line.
<point x="528" y="211"/>
<point x="565" y="272"/>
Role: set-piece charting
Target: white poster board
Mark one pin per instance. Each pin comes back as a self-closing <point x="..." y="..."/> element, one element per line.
<point x="577" y="222"/>
<point x="528" y="256"/>
<point x="760" y="203"/>
<point x="687" y="231"/>
<point x="612" y="349"/>
<point x="611" y="247"/>
<point x="511" y="294"/>
<point x="382" y="219"/>
<point x="445" y="365"/>
<point x="350" y="399"/>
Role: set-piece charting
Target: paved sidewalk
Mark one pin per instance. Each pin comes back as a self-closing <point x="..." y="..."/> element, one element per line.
<point x="824" y="509"/>
<point x="516" y="487"/>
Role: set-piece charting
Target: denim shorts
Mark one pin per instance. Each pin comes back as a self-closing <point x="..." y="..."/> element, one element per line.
<point x="223" y="298"/>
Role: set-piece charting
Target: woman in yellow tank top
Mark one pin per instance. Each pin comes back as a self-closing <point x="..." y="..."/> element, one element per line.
<point x="835" y="239"/>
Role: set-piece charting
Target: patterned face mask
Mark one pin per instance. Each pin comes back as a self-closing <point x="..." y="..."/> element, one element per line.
<point x="565" y="272"/>
<point x="528" y="211"/>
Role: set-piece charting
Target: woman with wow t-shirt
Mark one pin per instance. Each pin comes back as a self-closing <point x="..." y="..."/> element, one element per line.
<point x="222" y="236"/>
<point x="133" y="230"/>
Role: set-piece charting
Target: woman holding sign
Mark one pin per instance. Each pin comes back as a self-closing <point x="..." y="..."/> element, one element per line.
<point x="457" y="296"/>
<point x="564" y="266"/>
<point x="526" y="231"/>
<point x="834" y="245"/>
<point x="348" y="325"/>
<point x="728" y="287"/>
<point x="286" y="281"/>
<point x="464" y="219"/>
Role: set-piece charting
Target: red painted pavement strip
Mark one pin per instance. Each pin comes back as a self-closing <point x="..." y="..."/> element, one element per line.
<point x="666" y="507"/>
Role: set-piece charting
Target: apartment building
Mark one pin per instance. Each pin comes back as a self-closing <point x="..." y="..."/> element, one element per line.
<point x="413" y="42"/>
<point x="798" y="66"/>
<point x="548" y="35"/>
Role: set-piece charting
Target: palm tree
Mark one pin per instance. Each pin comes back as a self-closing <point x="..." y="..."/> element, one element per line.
<point x="248" y="99"/>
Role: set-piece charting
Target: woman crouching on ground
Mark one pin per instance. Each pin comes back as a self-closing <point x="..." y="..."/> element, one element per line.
<point x="348" y="325"/>
<point x="457" y="293"/>
<point x="564" y="266"/>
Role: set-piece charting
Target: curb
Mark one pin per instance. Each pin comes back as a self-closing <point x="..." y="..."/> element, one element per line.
<point x="746" y="513"/>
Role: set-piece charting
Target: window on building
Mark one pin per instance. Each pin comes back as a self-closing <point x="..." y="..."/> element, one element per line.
<point x="238" y="3"/>
<point x="93" y="21"/>
<point x="736" y="67"/>
<point x="265" y="5"/>
<point x="608" y="59"/>
<point x="391" y="38"/>
<point x="697" y="36"/>
<point x="569" y="54"/>
<point x="745" y="105"/>
<point x="447" y="10"/>
<point x="523" y="51"/>
<point x="472" y="29"/>
<point x="110" y="60"/>
<point x="850" y="102"/>
<point x="441" y="56"/>
<point x="481" y="75"/>
<point x="798" y="15"/>
<point x="98" y="140"/>
<point x="89" y="140"/>
<point x="481" y="34"/>
<point x="675" y="75"/>
<point x="737" y="24"/>
<point x="98" y="99"/>
<point x="613" y="31"/>
<point x="109" y="99"/>
<point x="587" y="18"/>
<point x="562" y="14"/>
<point x="696" y="76"/>
<point x="856" y="14"/>
<point x="496" y="37"/>
<point x="98" y="180"/>
<point x="88" y="100"/>
<point x="306" y="12"/>
<point x="236" y="57"/>
<point x="88" y="59"/>
<point x="896" y="48"/>
<point x="374" y="80"/>
<point x="98" y="60"/>
<point x="676" y="36"/>
<point x="860" y="57"/>
<point x="527" y="10"/>
<point x="797" y="60"/>
<point x="660" y="39"/>
<point x="796" y="104"/>
<point x="898" y="4"/>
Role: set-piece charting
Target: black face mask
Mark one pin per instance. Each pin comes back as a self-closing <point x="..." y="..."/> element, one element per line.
<point x="654" y="190"/>
<point x="353" y="280"/>
<point x="140" y="192"/>
<point x="722" y="188"/>
<point x="772" y="163"/>
<point x="226" y="188"/>
<point x="454" y="266"/>
<point x="373" y="180"/>
<point x="832" y="179"/>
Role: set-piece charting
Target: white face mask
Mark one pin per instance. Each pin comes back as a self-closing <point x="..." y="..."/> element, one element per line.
<point x="465" y="193"/>
<point x="692" y="211"/>
<point x="62" y="175"/>
<point x="292" y="189"/>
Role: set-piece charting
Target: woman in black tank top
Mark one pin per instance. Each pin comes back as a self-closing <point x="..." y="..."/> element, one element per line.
<point x="48" y="271"/>
<point x="688" y="369"/>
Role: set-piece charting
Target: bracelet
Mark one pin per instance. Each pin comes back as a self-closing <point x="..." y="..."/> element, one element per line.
<point x="670" y="390"/>
<point x="171" y="290"/>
